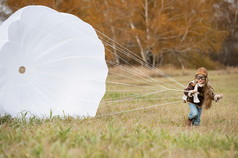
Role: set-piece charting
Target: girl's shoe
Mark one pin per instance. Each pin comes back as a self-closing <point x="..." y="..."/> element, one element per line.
<point x="189" y="122"/>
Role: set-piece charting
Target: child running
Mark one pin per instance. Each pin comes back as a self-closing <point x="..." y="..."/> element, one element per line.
<point x="199" y="93"/>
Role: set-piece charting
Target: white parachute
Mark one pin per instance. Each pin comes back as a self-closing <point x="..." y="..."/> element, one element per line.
<point x="50" y="61"/>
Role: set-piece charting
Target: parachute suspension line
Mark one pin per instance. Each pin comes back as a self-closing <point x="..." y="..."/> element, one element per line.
<point x="129" y="90"/>
<point x="156" y="70"/>
<point x="132" y="56"/>
<point x="136" y="109"/>
<point x="134" y="99"/>
<point x="126" y="98"/>
<point x="136" y="57"/>
<point x="141" y="72"/>
<point x="169" y="78"/>
<point x="124" y="76"/>
<point x="134" y="96"/>
<point x="127" y="84"/>
<point x="140" y="59"/>
<point x="118" y="101"/>
<point x="138" y="74"/>
<point x="133" y="73"/>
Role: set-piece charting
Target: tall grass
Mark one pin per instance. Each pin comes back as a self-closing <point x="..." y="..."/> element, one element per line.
<point x="155" y="132"/>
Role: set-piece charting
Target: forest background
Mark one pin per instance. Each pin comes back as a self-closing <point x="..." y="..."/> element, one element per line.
<point x="181" y="33"/>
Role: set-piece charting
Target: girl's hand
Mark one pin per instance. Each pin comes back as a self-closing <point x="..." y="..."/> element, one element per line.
<point x="217" y="97"/>
<point x="193" y="91"/>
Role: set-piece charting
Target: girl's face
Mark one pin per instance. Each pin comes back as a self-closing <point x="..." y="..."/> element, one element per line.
<point x="200" y="79"/>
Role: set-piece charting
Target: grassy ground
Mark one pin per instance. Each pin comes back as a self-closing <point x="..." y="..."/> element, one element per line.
<point x="154" y="132"/>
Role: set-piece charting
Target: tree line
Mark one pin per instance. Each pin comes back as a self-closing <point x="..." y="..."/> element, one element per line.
<point x="187" y="33"/>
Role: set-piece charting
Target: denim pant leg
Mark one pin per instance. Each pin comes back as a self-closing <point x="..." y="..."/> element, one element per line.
<point x="197" y="120"/>
<point x="193" y="112"/>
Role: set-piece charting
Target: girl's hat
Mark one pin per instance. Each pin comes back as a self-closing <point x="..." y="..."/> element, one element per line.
<point x="202" y="71"/>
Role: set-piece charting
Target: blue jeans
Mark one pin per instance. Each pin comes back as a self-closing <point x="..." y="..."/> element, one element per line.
<point x="195" y="114"/>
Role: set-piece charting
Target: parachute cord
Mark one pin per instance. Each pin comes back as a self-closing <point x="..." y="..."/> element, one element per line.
<point x="149" y="78"/>
<point x="139" y="58"/>
<point x="135" y="99"/>
<point x="136" y="96"/>
<point x="141" y="72"/>
<point x="136" y="109"/>
<point x="136" y="74"/>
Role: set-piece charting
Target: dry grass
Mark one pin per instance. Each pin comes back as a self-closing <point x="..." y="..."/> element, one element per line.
<point x="155" y="132"/>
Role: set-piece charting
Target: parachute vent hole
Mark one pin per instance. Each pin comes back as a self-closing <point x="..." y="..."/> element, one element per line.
<point x="22" y="69"/>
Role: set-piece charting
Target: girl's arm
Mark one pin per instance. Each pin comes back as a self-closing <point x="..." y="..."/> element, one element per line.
<point x="189" y="90"/>
<point x="212" y="95"/>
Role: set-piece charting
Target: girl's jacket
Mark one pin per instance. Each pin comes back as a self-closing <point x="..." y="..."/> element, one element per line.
<point x="200" y="95"/>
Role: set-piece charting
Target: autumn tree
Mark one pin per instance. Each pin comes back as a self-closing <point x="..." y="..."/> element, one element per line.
<point x="226" y="18"/>
<point x="182" y="33"/>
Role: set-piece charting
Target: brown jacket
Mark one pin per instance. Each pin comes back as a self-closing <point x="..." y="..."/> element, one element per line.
<point x="191" y="86"/>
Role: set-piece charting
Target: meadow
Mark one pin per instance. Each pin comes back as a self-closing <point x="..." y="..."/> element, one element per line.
<point x="158" y="131"/>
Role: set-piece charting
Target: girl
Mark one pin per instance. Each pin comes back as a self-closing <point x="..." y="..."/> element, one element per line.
<point x="199" y="93"/>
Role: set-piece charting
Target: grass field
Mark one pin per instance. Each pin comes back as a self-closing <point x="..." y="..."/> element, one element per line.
<point x="154" y="132"/>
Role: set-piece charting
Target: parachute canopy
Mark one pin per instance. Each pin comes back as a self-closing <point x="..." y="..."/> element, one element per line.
<point x="50" y="61"/>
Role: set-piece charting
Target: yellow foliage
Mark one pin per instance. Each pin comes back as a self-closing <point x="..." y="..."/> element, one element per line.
<point x="161" y="26"/>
